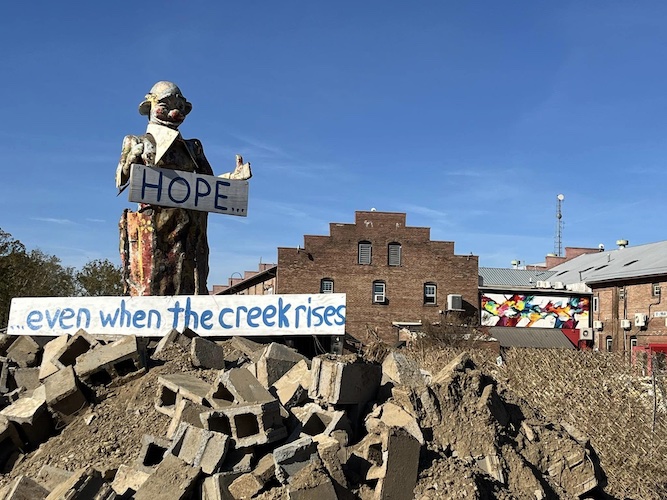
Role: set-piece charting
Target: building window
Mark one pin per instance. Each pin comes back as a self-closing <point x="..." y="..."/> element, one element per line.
<point x="326" y="285"/>
<point x="633" y="342"/>
<point x="394" y="254"/>
<point x="655" y="289"/>
<point x="621" y="293"/>
<point x="365" y="252"/>
<point x="609" y="343"/>
<point x="430" y="290"/>
<point x="379" y="292"/>
<point x="596" y="304"/>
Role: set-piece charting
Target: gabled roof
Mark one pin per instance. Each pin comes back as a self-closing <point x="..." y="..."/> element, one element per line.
<point x="490" y="276"/>
<point x="551" y="338"/>
<point x="641" y="261"/>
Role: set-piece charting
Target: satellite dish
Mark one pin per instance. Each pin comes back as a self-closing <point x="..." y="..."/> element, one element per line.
<point x="561" y="197"/>
<point x="373" y="209"/>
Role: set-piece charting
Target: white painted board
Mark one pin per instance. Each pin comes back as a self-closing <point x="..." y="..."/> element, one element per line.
<point x="178" y="189"/>
<point x="208" y="315"/>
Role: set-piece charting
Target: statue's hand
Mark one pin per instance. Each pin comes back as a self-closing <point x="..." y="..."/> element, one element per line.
<point x="131" y="152"/>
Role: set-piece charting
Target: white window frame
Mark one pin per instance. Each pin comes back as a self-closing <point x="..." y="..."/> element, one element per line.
<point x="326" y="285"/>
<point x="633" y="342"/>
<point x="394" y="255"/>
<point x="379" y="292"/>
<point x="596" y="304"/>
<point x="432" y="297"/>
<point x="609" y="343"/>
<point x="364" y="253"/>
<point x="656" y="289"/>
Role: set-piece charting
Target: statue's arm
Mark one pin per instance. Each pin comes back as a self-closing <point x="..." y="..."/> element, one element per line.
<point x="136" y="149"/>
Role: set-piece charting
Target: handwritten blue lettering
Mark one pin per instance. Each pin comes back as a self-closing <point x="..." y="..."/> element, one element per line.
<point x="157" y="186"/>
<point x="171" y="184"/>
<point x="218" y="195"/>
<point x="198" y="192"/>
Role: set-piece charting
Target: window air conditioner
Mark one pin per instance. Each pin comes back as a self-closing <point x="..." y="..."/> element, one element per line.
<point x="640" y="319"/>
<point x="598" y="325"/>
<point x="378" y="297"/>
<point x="586" y="334"/>
<point x="626" y="324"/>
<point x="559" y="285"/>
<point x="454" y="302"/>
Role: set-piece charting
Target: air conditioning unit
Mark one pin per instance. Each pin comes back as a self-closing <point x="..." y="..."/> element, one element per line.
<point x="598" y="325"/>
<point x="454" y="302"/>
<point x="586" y="334"/>
<point x="543" y="284"/>
<point x="640" y="319"/>
<point x="559" y="285"/>
<point x="378" y="297"/>
<point x="626" y="324"/>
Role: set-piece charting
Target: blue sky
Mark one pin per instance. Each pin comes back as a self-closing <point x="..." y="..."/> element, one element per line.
<point x="471" y="117"/>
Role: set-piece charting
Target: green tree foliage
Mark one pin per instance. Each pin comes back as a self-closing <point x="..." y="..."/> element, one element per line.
<point x="100" y="277"/>
<point x="36" y="274"/>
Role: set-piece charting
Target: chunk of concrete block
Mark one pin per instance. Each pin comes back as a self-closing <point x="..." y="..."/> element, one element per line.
<point x="152" y="452"/>
<point x="249" y="484"/>
<point x="63" y="395"/>
<point x="52" y="348"/>
<point x="182" y="339"/>
<point x="119" y="360"/>
<point x="248" y="424"/>
<point x="391" y="415"/>
<point x="10" y="442"/>
<point x="75" y="346"/>
<point x="490" y="464"/>
<point x="397" y="474"/>
<point x="335" y="381"/>
<point x="200" y="447"/>
<point x="5" y="342"/>
<point x="274" y="361"/>
<point x="24" y="488"/>
<point x="188" y="412"/>
<point x="207" y="354"/>
<point x="294" y="456"/>
<point x="84" y="483"/>
<point x="400" y="369"/>
<point x="25" y="352"/>
<point x="237" y="386"/>
<point x="292" y="388"/>
<point x="311" y="483"/>
<point x="33" y="421"/>
<point x="50" y="477"/>
<point x="5" y="386"/>
<point x="128" y="480"/>
<point x="173" y="479"/>
<point x="315" y="420"/>
<point x="329" y="450"/>
<point x="459" y="364"/>
<point x="177" y="386"/>
<point x="28" y="378"/>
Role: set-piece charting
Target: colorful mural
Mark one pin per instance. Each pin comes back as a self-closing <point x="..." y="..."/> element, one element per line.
<point x="534" y="311"/>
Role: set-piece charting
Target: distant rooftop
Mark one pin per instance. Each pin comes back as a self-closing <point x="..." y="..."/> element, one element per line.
<point x="491" y="276"/>
<point x="541" y="338"/>
<point x="641" y="261"/>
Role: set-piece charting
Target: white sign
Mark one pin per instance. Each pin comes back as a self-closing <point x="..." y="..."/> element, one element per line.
<point x="208" y="315"/>
<point x="660" y="314"/>
<point x="175" y="188"/>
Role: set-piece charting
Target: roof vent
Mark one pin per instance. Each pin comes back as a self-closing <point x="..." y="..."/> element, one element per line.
<point x="622" y="243"/>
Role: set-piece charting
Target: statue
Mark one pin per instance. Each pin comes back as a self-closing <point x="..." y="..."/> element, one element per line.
<point x="164" y="251"/>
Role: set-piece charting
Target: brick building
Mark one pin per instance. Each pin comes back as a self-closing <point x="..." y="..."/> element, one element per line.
<point x="394" y="276"/>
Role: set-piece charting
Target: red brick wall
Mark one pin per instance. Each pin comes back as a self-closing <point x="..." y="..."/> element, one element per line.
<point x="422" y="260"/>
<point x="638" y="299"/>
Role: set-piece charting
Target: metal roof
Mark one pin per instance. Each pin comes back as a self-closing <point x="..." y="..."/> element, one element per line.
<point x="545" y="338"/>
<point x="641" y="261"/>
<point x="489" y="276"/>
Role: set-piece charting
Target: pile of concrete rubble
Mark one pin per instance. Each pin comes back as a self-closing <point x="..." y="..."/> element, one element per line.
<point x="249" y="420"/>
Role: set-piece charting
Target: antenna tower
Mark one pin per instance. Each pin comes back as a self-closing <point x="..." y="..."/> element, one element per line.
<point x="558" y="240"/>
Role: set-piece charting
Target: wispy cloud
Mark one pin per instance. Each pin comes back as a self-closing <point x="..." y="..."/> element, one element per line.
<point x="53" y="220"/>
<point x="96" y="220"/>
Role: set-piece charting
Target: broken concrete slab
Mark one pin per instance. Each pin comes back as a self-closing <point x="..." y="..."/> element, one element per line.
<point x="128" y="480"/>
<point x="248" y="424"/>
<point x="28" y="378"/>
<point x="293" y="456"/>
<point x="337" y="381"/>
<point x="25" y="352"/>
<point x="183" y="339"/>
<point x="75" y="346"/>
<point x="5" y="342"/>
<point x="292" y="388"/>
<point x="397" y="474"/>
<point x="237" y="386"/>
<point x="400" y="369"/>
<point x="50" y="476"/>
<point x="207" y="354"/>
<point x="249" y="484"/>
<point x="84" y="483"/>
<point x="51" y="348"/>
<point x="186" y="411"/>
<point x="32" y="420"/>
<point x="311" y="483"/>
<point x="458" y="364"/>
<point x="119" y="360"/>
<point x="200" y="447"/>
<point x="389" y="414"/>
<point x="274" y="361"/>
<point x="63" y="395"/>
<point x="173" y="479"/>
<point x="176" y="386"/>
<point x="24" y="488"/>
<point x="4" y="376"/>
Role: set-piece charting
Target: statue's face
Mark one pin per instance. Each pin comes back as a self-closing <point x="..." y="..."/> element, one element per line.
<point x="169" y="111"/>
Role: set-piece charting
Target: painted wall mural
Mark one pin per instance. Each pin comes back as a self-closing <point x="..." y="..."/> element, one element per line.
<point x="537" y="311"/>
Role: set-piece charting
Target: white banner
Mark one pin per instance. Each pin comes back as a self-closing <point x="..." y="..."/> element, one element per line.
<point x="208" y="315"/>
<point x="175" y="188"/>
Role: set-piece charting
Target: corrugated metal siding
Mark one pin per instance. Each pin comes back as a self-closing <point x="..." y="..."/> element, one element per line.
<point x="489" y="276"/>
<point x="541" y="338"/>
